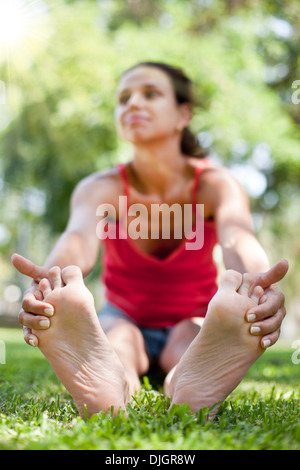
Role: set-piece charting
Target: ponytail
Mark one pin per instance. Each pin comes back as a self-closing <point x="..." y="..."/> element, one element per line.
<point x="190" y="145"/>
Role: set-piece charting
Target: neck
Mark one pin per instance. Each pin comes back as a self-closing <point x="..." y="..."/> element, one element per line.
<point x="159" y="167"/>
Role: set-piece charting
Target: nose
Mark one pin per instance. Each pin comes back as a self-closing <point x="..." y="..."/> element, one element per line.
<point x="135" y="99"/>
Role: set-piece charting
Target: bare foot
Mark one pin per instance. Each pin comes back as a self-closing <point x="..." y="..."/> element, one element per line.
<point x="223" y="351"/>
<point x="77" y="348"/>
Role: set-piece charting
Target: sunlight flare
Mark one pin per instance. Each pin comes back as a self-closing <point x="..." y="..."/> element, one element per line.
<point x="22" y="24"/>
<point x="13" y="22"/>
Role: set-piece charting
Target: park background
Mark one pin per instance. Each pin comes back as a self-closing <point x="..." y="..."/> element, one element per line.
<point x="60" y="61"/>
<point x="59" y="65"/>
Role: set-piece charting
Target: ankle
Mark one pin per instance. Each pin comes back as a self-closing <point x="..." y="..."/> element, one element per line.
<point x="133" y="384"/>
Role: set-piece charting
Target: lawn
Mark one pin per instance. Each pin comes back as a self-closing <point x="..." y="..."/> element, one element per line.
<point x="37" y="413"/>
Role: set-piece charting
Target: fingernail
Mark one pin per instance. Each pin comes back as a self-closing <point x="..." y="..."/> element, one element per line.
<point x="251" y="317"/>
<point x="45" y="323"/>
<point x="31" y="342"/>
<point x="266" y="343"/>
<point x="254" y="329"/>
<point x="49" y="311"/>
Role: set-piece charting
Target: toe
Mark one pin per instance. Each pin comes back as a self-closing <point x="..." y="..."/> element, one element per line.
<point x="54" y="276"/>
<point x="257" y="294"/>
<point x="71" y="274"/>
<point x="231" y="280"/>
<point x="245" y="285"/>
<point x="45" y="287"/>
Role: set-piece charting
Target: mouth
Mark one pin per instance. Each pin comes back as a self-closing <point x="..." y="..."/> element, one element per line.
<point x="136" y="119"/>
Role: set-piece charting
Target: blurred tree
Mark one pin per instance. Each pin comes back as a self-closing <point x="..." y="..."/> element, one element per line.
<point x="58" y="123"/>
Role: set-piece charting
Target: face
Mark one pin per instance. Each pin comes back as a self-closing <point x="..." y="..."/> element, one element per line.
<point x="146" y="107"/>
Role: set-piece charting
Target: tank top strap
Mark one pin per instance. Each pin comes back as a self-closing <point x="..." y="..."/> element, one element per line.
<point x="198" y="171"/>
<point x="122" y="169"/>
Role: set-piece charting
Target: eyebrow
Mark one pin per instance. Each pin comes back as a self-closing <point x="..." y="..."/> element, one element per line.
<point x="146" y="85"/>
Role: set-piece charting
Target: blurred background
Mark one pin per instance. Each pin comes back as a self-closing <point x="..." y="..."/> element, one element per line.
<point x="60" y="61"/>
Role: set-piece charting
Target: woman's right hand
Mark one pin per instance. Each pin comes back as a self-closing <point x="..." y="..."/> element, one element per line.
<point x="35" y="313"/>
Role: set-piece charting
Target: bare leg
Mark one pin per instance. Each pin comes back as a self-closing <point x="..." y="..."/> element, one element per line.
<point x="223" y="351"/>
<point x="128" y="342"/>
<point x="77" y="348"/>
<point x="178" y="342"/>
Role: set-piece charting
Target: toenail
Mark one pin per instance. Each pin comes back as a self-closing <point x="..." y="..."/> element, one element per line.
<point x="45" y="323"/>
<point x="32" y="343"/>
<point x="266" y="343"/>
<point x="251" y="317"/>
<point x="254" y="329"/>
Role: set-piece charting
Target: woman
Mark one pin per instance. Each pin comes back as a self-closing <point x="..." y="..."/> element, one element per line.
<point x="158" y="288"/>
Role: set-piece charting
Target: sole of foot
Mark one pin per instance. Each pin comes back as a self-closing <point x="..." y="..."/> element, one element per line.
<point x="77" y="348"/>
<point x="222" y="352"/>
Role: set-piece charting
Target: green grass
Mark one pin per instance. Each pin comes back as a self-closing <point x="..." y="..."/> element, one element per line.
<point x="37" y="413"/>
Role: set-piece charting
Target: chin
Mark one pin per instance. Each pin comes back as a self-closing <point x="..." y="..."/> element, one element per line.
<point x="137" y="139"/>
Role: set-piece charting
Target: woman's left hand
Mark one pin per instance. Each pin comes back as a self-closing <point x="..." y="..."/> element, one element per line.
<point x="267" y="317"/>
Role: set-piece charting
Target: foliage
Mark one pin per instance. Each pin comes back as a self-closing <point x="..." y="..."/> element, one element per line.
<point x="63" y="97"/>
<point x="58" y="123"/>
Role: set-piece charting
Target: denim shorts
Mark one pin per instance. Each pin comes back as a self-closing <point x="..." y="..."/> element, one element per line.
<point x="155" y="338"/>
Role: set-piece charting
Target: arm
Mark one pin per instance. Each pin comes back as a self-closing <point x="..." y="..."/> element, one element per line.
<point x="78" y="245"/>
<point x="242" y="252"/>
<point x="241" y="249"/>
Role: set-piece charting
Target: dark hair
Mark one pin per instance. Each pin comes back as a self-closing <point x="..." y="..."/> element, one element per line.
<point x="183" y="89"/>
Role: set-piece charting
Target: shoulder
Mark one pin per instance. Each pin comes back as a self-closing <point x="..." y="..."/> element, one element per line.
<point x="99" y="187"/>
<point x="216" y="177"/>
<point x="219" y="188"/>
<point x="210" y="172"/>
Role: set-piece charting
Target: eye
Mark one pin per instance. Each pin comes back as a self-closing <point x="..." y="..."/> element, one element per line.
<point x="151" y="94"/>
<point x="123" y="98"/>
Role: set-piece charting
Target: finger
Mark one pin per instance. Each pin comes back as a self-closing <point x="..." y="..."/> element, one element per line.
<point x="30" y="338"/>
<point x="269" y="340"/>
<point x="37" y="307"/>
<point x="27" y="267"/>
<point x="275" y="274"/>
<point x="34" y="322"/>
<point x="267" y="326"/>
<point x="269" y="304"/>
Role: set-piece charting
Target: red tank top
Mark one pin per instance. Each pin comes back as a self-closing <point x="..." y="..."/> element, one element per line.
<point x="155" y="292"/>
